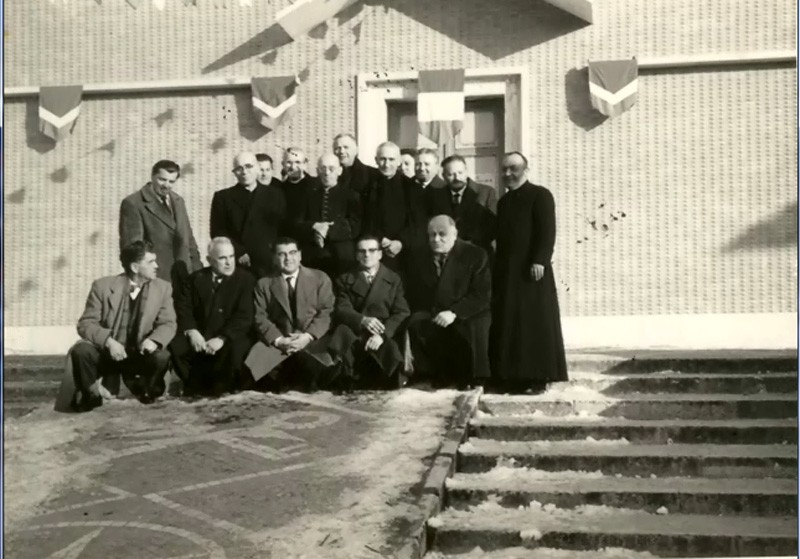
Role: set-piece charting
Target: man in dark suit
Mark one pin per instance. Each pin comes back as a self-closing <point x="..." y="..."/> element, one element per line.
<point x="475" y="222"/>
<point x="355" y="175"/>
<point x="125" y="329"/>
<point x="450" y="297"/>
<point x="296" y="186"/>
<point x="293" y="315"/>
<point x="250" y="214"/>
<point x="427" y="169"/>
<point x="370" y="308"/>
<point x="385" y="205"/>
<point x="332" y="220"/>
<point x="155" y="213"/>
<point x="215" y="323"/>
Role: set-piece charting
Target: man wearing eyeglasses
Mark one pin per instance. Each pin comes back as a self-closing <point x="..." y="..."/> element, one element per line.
<point x="293" y="309"/>
<point x="250" y="214"/>
<point x="370" y="307"/>
<point x="527" y="347"/>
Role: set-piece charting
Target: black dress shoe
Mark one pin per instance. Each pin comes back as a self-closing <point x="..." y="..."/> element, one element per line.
<point x="86" y="402"/>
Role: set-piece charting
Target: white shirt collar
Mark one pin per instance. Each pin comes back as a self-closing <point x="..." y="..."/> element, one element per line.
<point x="292" y="276"/>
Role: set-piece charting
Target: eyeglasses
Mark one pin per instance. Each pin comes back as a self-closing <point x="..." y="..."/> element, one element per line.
<point x="367" y="250"/>
<point x="242" y="168"/>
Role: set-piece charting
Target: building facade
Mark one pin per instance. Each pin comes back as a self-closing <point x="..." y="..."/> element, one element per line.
<point x="680" y="213"/>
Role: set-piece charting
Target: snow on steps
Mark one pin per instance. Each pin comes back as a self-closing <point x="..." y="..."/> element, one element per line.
<point x="538" y="426"/>
<point x="512" y="487"/>
<point x="671" y="381"/>
<point x="491" y="526"/>
<point x="621" y="457"/>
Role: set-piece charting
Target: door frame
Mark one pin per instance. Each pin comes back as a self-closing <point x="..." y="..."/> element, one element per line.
<point x="375" y="89"/>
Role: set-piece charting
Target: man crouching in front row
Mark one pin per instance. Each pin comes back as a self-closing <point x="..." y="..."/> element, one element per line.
<point x="215" y="324"/>
<point x="293" y="316"/>
<point x="125" y="328"/>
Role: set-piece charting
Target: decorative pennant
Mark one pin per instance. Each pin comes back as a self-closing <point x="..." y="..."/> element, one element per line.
<point x="59" y="107"/>
<point x="441" y="104"/>
<point x="273" y="98"/>
<point x="613" y="85"/>
<point x="302" y="16"/>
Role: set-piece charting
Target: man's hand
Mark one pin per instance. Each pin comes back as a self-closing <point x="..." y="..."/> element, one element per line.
<point x="148" y="347"/>
<point x="444" y="319"/>
<point x="116" y="349"/>
<point x="321" y="228"/>
<point x="299" y="341"/>
<point x="537" y="272"/>
<point x="196" y="340"/>
<point x="374" y="342"/>
<point x="214" y="345"/>
<point x="373" y="325"/>
<point x="390" y="247"/>
<point x="244" y="260"/>
<point x="283" y="343"/>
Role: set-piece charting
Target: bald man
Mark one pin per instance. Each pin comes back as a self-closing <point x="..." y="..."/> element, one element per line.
<point x="331" y="220"/>
<point x="385" y="205"/>
<point x="250" y="214"/>
<point x="355" y="174"/>
<point x="527" y="344"/>
<point x="450" y="298"/>
<point x="216" y="317"/>
<point x="296" y="185"/>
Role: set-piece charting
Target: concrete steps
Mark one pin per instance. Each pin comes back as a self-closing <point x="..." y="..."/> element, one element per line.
<point x="630" y="459"/>
<point x="648" y="406"/>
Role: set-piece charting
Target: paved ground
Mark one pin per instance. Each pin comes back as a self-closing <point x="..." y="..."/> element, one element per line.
<point x="246" y="476"/>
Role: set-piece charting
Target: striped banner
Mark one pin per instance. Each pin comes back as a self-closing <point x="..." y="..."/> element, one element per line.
<point x="440" y="104"/>
<point x="59" y="107"/>
<point x="273" y="98"/>
<point x="613" y="85"/>
<point x="302" y="16"/>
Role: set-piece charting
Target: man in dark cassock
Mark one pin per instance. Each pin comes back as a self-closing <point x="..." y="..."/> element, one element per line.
<point x="293" y="309"/>
<point x="370" y="308"/>
<point x="157" y="214"/>
<point x="215" y="323"/>
<point x="125" y="328"/>
<point x="296" y="186"/>
<point x="355" y="175"/>
<point x="475" y="222"/>
<point x="385" y="205"/>
<point x="250" y="214"/>
<point x="450" y="296"/>
<point x="331" y="222"/>
<point x="527" y="347"/>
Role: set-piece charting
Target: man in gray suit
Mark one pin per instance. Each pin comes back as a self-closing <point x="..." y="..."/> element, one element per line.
<point x="155" y="213"/>
<point x="125" y="328"/>
<point x="293" y="316"/>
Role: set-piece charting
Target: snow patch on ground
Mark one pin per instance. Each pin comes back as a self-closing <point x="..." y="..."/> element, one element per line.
<point x="508" y="475"/>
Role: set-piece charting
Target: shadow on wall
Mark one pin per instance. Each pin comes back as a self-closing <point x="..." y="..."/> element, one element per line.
<point x="778" y="230"/>
<point x="271" y="38"/>
<point x="579" y="103"/>
<point x="33" y="137"/>
<point x="512" y="26"/>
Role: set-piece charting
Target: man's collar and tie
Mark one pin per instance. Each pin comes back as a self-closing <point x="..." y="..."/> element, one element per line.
<point x="369" y="275"/>
<point x="216" y="280"/>
<point x="456" y="196"/>
<point x="135" y="289"/>
<point x="439" y="260"/>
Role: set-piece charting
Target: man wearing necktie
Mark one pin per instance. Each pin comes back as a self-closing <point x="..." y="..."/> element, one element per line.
<point x="125" y="329"/>
<point x="292" y="315"/>
<point x="470" y="208"/>
<point x="157" y="214"/>
<point x="450" y="296"/>
<point x="215" y="323"/>
<point x="370" y="309"/>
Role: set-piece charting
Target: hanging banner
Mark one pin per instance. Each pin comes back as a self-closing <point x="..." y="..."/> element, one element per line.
<point x="614" y="85"/>
<point x="273" y="99"/>
<point x="59" y="107"/>
<point x="440" y="104"/>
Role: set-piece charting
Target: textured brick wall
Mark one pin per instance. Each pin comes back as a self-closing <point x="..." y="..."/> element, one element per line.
<point x="704" y="166"/>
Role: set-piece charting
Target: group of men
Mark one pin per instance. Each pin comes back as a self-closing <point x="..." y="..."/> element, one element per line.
<point x="329" y="282"/>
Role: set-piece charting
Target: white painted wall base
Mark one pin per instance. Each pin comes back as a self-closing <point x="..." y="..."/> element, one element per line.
<point x="689" y="332"/>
